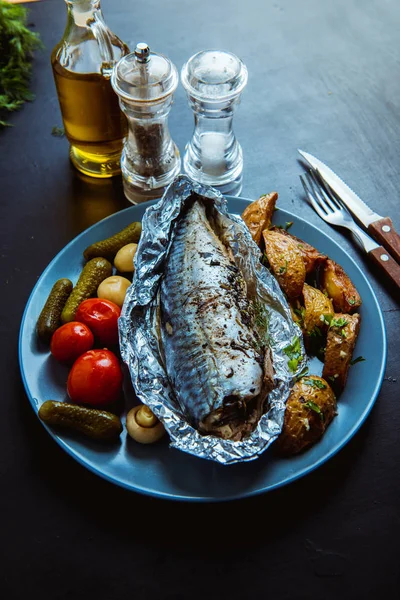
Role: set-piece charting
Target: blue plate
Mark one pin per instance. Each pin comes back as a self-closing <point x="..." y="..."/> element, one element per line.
<point x="160" y="471"/>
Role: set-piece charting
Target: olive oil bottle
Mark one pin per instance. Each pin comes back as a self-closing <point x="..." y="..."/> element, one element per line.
<point x="82" y="64"/>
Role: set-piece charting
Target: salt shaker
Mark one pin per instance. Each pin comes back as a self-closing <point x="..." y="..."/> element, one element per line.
<point x="145" y="82"/>
<point x="214" y="81"/>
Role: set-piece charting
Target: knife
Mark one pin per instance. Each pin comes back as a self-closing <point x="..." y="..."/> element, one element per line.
<point x="380" y="228"/>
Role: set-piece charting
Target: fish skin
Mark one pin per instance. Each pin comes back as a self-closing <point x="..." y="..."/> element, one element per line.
<point x="209" y="351"/>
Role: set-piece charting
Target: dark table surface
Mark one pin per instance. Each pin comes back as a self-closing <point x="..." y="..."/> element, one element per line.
<point x="324" y="76"/>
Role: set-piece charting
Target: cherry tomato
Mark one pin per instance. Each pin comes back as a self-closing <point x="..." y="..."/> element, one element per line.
<point x="70" y="341"/>
<point x="95" y="378"/>
<point x="102" y="317"/>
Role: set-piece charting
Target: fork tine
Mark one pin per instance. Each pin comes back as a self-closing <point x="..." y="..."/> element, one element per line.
<point x="311" y="198"/>
<point x="324" y="191"/>
<point x="339" y="205"/>
<point x="317" y="193"/>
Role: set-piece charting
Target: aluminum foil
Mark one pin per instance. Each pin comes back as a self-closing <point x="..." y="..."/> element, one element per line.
<point x="139" y="339"/>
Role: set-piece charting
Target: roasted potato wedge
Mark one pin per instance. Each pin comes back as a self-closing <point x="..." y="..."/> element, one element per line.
<point x="310" y="408"/>
<point x="339" y="287"/>
<point x="286" y="262"/>
<point x="258" y="215"/>
<point x="340" y="343"/>
<point x="316" y="305"/>
<point x="311" y="256"/>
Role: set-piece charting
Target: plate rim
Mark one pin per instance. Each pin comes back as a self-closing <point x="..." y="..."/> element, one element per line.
<point x="236" y="496"/>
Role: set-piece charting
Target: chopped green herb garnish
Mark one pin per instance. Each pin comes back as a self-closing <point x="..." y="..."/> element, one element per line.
<point x="261" y="316"/>
<point x="302" y="373"/>
<point x="265" y="260"/>
<point x="294" y="349"/>
<point x="261" y="321"/>
<point x="288" y="225"/>
<point x="283" y="269"/>
<point x="315" y="332"/>
<point x="357" y="360"/>
<point x="352" y="301"/>
<point x="312" y="406"/>
<point x="332" y="322"/>
<point x="341" y="322"/>
<point x="316" y="383"/>
<point x="293" y="352"/>
<point x="300" y="313"/>
<point x="58" y="131"/>
<point x="327" y="319"/>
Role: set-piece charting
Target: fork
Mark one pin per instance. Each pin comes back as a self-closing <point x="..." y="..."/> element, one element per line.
<point x="331" y="210"/>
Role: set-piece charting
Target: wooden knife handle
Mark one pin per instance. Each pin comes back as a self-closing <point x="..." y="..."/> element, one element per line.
<point x="385" y="234"/>
<point x="387" y="264"/>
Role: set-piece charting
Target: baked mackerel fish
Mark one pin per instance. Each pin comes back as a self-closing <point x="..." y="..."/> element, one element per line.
<point x="215" y="355"/>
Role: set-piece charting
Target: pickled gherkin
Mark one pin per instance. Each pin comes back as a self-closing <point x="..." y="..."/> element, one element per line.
<point x="96" y="424"/>
<point x="93" y="273"/>
<point x="49" y="318"/>
<point x="109" y="247"/>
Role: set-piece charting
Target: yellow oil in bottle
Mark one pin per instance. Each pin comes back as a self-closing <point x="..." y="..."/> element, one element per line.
<point x="93" y="122"/>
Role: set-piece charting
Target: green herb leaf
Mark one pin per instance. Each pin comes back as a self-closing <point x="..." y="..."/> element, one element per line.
<point x="261" y="322"/>
<point x="302" y="373"/>
<point x="315" y="383"/>
<point x="357" y="360"/>
<point x="312" y="406"/>
<point x="58" y="131"/>
<point x="352" y="301"/>
<point x="315" y="332"/>
<point x="327" y="319"/>
<point x="283" y="269"/>
<point x="338" y="323"/>
<point x="300" y="313"/>
<point x="341" y="322"/>
<point x="293" y="352"/>
<point x="261" y="315"/>
<point x="264" y="260"/>
<point x="288" y="225"/>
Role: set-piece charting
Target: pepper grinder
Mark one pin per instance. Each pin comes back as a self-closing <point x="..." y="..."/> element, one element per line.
<point x="214" y="81"/>
<point x="145" y="82"/>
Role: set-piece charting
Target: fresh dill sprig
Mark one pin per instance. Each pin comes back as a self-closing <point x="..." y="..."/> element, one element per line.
<point x="17" y="44"/>
<point x="261" y="321"/>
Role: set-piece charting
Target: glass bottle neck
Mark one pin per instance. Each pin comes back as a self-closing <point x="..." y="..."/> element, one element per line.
<point x="85" y="23"/>
<point x="82" y="10"/>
